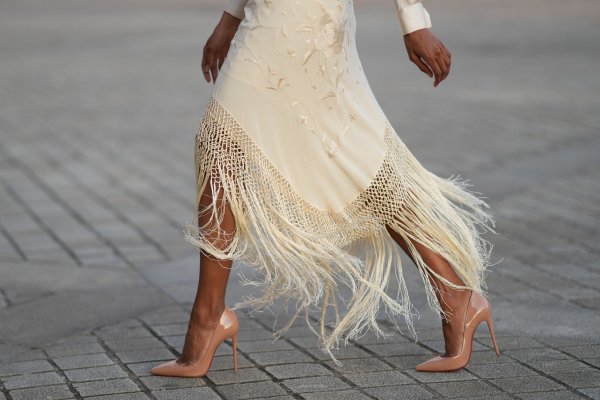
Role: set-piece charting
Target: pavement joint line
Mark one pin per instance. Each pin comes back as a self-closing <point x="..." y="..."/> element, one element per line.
<point x="117" y="156"/>
<point x="336" y="373"/>
<point x="122" y="217"/>
<point x="111" y="354"/>
<point x="4" y="391"/>
<point x="137" y="196"/>
<point x="74" y="213"/>
<point x="29" y="210"/>
<point x="213" y="385"/>
<point x="490" y="381"/>
<point x="524" y="238"/>
<point x="5" y="298"/>
<point x="206" y="380"/>
<point x="13" y="242"/>
<point x="522" y="259"/>
<point x="32" y="299"/>
<point x="549" y="209"/>
<point x="63" y="376"/>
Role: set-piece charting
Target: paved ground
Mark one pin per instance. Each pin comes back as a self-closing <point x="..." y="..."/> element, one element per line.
<point x="99" y="106"/>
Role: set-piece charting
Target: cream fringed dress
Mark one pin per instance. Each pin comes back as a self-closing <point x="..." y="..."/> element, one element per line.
<point x="313" y="172"/>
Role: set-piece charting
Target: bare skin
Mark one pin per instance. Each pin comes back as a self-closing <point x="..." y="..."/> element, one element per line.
<point x="431" y="56"/>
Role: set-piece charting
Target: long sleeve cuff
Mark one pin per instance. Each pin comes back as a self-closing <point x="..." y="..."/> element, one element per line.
<point x="236" y="8"/>
<point x="412" y="16"/>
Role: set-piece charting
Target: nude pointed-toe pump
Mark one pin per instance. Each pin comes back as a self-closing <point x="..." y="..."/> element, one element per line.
<point x="226" y="328"/>
<point x="478" y="310"/>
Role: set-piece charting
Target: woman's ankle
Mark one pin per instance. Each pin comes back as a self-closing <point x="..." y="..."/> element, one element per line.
<point x="206" y="314"/>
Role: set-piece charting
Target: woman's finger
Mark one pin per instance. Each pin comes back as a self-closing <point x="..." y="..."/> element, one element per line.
<point x="206" y="63"/>
<point x="441" y="60"/>
<point x="435" y="67"/>
<point x="419" y="63"/>
<point x="215" y="71"/>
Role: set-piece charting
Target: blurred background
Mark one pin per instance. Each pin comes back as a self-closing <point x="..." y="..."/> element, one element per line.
<point x="99" y="106"/>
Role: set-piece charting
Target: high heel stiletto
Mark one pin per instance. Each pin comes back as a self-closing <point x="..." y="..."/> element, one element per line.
<point x="478" y="310"/>
<point x="226" y="328"/>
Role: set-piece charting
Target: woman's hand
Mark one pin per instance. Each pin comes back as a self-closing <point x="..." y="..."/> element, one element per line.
<point x="217" y="46"/>
<point x="428" y="53"/>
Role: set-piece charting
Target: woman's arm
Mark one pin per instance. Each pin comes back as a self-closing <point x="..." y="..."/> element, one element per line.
<point x="423" y="47"/>
<point x="412" y="15"/>
<point x="217" y="45"/>
<point x="236" y="8"/>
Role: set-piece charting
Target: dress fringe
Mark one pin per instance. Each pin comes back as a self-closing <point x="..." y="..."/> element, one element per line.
<point x="305" y="253"/>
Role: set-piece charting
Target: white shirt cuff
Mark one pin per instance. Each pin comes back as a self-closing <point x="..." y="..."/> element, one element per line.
<point x="412" y="17"/>
<point x="236" y="8"/>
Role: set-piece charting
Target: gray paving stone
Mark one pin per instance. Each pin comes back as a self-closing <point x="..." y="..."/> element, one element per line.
<point x="552" y="367"/>
<point x="557" y="395"/>
<point x="74" y="349"/>
<point x="54" y="392"/>
<point x="25" y="367"/>
<point x="359" y="365"/>
<point x="380" y="378"/>
<point x="297" y="370"/>
<point x="30" y="355"/>
<point x="400" y="392"/>
<point x="82" y="361"/>
<point x="516" y="342"/>
<point x="342" y="353"/>
<point x="132" y="356"/>
<point x="315" y="384"/>
<point x="527" y="384"/>
<point x="143" y="368"/>
<point x="489" y="357"/>
<point x="504" y="370"/>
<point x="594" y="393"/>
<point x="470" y="388"/>
<point x="279" y="357"/>
<point x="95" y="373"/>
<point x="134" y="344"/>
<point x="337" y="395"/>
<point x="32" y="380"/>
<point x="254" y="334"/>
<point x="398" y="349"/>
<point x="406" y="362"/>
<point x="395" y="337"/>
<point x="592" y="361"/>
<point x="186" y="394"/>
<point x="155" y="382"/>
<point x="123" y="332"/>
<point x="242" y="375"/>
<point x="121" y="396"/>
<point x="580" y="379"/>
<point x="590" y="351"/>
<point x="285" y="397"/>
<point x="105" y="387"/>
<point x="170" y="329"/>
<point x="257" y="346"/>
<point x="78" y="339"/>
<point x="226" y="362"/>
<point x="167" y="315"/>
<point x="460" y="375"/>
<point x="536" y="354"/>
<point x="250" y="390"/>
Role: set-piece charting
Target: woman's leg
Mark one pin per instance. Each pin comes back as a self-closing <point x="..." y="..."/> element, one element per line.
<point x="212" y="283"/>
<point x="452" y="300"/>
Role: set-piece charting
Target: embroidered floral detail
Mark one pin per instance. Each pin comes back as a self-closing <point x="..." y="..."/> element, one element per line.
<point x="325" y="57"/>
<point x="329" y="35"/>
